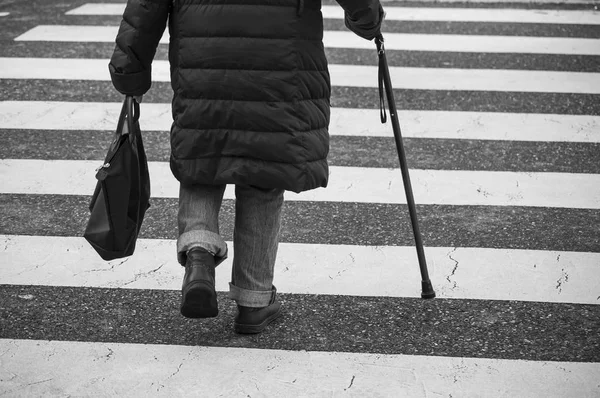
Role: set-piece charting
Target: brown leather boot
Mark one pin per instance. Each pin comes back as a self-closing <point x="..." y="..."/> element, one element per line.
<point x="251" y="320"/>
<point x="198" y="295"/>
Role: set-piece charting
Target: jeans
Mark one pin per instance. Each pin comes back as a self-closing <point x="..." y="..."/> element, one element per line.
<point x="255" y="236"/>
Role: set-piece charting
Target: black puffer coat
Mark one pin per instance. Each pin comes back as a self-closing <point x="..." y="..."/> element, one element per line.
<point x="250" y="81"/>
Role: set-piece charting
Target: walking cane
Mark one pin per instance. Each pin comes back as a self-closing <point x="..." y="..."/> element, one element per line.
<point x="384" y="80"/>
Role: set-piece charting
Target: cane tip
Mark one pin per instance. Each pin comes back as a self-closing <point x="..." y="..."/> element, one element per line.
<point x="427" y="291"/>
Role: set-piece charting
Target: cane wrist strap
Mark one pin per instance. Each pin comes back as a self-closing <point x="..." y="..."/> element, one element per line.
<point x="381" y="55"/>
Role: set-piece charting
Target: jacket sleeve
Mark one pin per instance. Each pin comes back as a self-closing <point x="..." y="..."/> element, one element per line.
<point x="143" y="25"/>
<point x="363" y="17"/>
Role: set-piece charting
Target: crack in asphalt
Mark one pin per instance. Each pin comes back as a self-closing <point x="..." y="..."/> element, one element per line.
<point x="454" y="269"/>
<point x="136" y="277"/>
<point x="351" y="383"/>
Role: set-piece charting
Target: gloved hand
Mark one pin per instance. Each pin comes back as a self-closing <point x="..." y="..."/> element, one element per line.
<point x="367" y="25"/>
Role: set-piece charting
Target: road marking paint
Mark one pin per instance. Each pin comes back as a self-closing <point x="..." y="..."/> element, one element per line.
<point x="469" y="79"/>
<point x="468" y="43"/>
<point x="342" y="39"/>
<point x="347" y="184"/>
<point x="48" y="115"/>
<point x="4" y="14"/>
<point x="120" y="369"/>
<point x="483" y="15"/>
<point x="341" y="75"/>
<point x="495" y="2"/>
<point x="389" y="271"/>
<point x="588" y="17"/>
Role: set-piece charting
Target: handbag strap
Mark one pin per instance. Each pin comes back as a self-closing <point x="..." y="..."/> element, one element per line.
<point x="133" y="109"/>
<point x="130" y="113"/>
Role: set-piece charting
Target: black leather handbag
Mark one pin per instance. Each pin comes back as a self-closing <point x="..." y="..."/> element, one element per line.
<point x="122" y="193"/>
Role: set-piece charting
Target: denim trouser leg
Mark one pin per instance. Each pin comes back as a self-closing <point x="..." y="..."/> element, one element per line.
<point x="255" y="241"/>
<point x="198" y="220"/>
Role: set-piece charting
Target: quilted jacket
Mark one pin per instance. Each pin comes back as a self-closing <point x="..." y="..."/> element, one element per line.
<point x="250" y="85"/>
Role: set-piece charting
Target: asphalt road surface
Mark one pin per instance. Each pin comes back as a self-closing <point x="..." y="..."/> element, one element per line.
<point x="500" y="110"/>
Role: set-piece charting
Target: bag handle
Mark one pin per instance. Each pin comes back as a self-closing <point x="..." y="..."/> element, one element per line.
<point x="133" y="108"/>
<point x="130" y="112"/>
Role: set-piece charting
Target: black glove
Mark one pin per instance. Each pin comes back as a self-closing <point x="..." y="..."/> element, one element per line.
<point x="367" y="25"/>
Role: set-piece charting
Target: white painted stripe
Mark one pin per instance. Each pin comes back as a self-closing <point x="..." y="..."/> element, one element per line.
<point x="496" y="2"/>
<point x="84" y="33"/>
<point x="390" y="271"/>
<point x="47" y="115"/>
<point x="469" y="79"/>
<point x="423" y="14"/>
<point x="342" y="39"/>
<point x="467" y="43"/>
<point x="35" y="367"/>
<point x="484" y="15"/>
<point x="341" y="75"/>
<point x="4" y="14"/>
<point x="347" y="184"/>
<point x="98" y="9"/>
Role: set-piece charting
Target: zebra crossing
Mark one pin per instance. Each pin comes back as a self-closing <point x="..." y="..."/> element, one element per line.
<point x="350" y="184"/>
<point x="35" y="115"/>
<point x="340" y="39"/>
<point x="505" y="164"/>
<point x="341" y="75"/>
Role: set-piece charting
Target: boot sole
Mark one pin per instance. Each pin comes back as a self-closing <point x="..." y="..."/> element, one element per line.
<point x="199" y="300"/>
<point x="253" y="329"/>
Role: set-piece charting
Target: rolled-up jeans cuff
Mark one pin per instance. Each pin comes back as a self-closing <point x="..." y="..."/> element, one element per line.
<point x="209" y="241"/>
<point x="252" y="298"/>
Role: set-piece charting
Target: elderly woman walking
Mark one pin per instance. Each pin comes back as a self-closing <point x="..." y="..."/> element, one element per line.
<point x="250" y="107"/>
